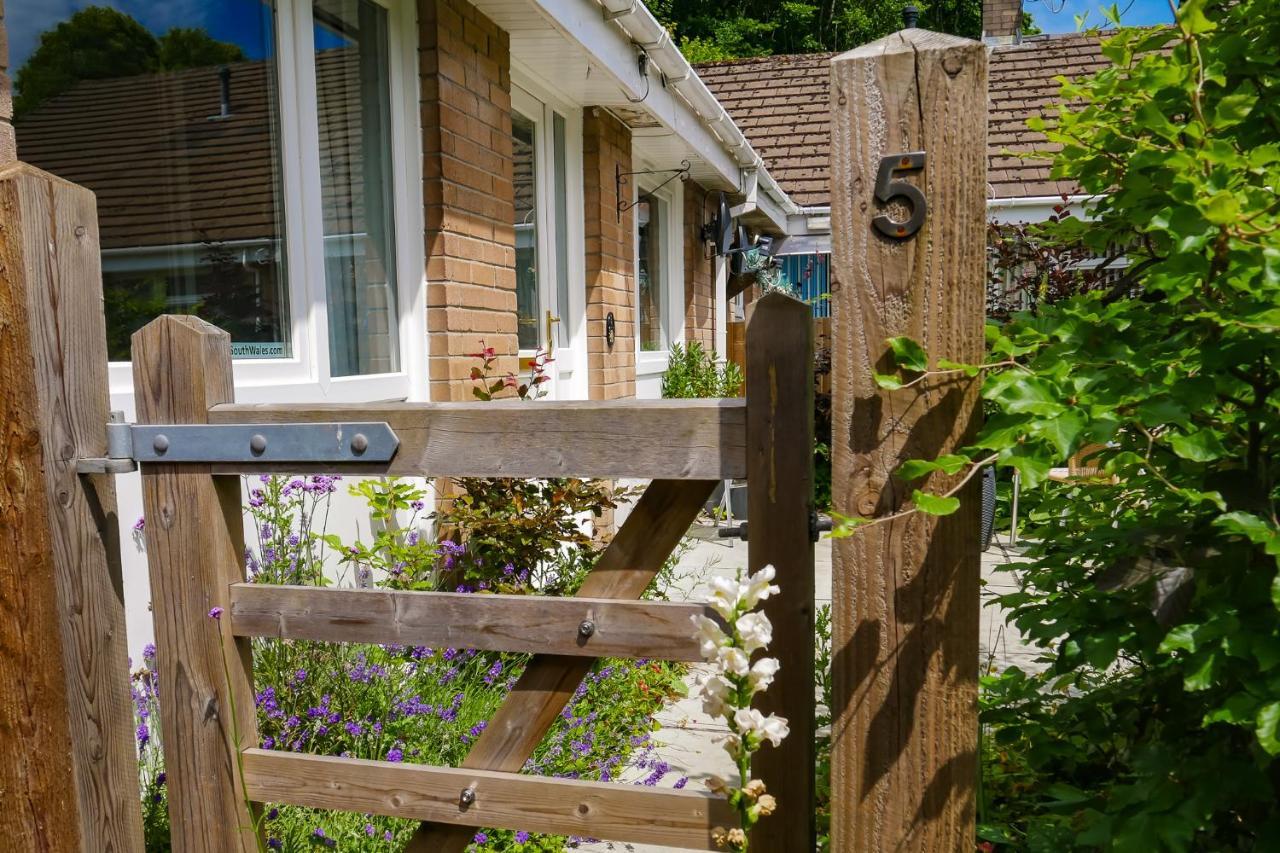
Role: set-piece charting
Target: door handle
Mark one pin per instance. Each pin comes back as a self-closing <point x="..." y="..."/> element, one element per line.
<point x="551" y="344"/>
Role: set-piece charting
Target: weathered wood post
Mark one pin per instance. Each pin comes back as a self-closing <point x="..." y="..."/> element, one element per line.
<point x="779" y="391"/>
<point x="909" y="129"/>
<point x="195" y="551"/>
<point x="69" y="777"/>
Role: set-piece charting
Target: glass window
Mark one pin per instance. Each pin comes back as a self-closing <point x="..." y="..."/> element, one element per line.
<point x="172" y="119"/>
<point x="353" y="99"/>
<point x="526" y="222"/>
<point x="561" y="226"/>
<point x="651" y="273"/>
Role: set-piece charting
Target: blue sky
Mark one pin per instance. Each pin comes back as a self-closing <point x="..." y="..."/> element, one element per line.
<point x="1059" y="16"/>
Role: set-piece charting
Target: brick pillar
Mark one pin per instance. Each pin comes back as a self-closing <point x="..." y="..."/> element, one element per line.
<point x="610" y="262"/>
<point x="465" y="69"/>
<point x="699" y="272"/>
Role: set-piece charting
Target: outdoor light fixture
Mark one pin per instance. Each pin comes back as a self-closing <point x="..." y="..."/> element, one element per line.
<point x="610" y="329"/>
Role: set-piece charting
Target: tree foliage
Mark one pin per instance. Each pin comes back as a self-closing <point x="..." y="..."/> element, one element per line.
<point x="98" y="43"/>
<point x="713" y="31"/>
<point x="1153" y="586"/>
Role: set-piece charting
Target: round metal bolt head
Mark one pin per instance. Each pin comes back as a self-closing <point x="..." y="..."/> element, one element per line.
<point x="468" y="796"/>
<point x="359" y="443"/>
<point x="587" y="628"/>
<point x="258" y="444"/>
<point x="160" y="443"/>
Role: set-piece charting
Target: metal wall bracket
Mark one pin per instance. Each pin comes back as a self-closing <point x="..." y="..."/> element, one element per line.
<point x="313" y="443"/>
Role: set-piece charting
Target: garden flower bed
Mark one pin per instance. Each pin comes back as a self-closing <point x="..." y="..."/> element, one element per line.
<point x="411" y="704"/>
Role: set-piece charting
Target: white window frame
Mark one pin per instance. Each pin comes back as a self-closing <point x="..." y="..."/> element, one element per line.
<point x="651" y="362"/>
<point x="534" y="99"/>
<point x="304" y="376"/>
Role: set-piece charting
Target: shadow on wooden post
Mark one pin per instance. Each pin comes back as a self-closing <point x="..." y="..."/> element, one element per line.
<point x="779" y="355"/>
<point x="905" y="598"/>
<point x="195" y="551"/>
<point x="66" y="722"/>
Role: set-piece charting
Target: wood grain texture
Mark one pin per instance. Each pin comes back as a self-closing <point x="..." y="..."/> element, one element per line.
<point x="626" y="568"/>
<point x="779" y="502"/>
<point x="498" y="623"/>
<point x="40" y="809"/>
<point x="502" y="800"/>
<point x="905" y="597"/>
<point x="195" y="547"/>
<point x="663" y="439"/>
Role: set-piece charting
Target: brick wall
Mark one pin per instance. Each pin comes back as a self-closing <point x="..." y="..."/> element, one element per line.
<point x="1001" y="17"/>
<point x="699" y="272"/>
<point x="465" y="68"/>
<point x="610" y="262"/>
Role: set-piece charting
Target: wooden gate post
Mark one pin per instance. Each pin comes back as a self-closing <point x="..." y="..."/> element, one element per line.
<point x="905" y="600"/>
<point x="195" y="551"/>
<point x="779" y="511"/>
<point x="69" y="778"/>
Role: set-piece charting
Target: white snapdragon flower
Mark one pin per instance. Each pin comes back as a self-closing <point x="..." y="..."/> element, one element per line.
<point x="715" y="692"/>
<point x="724" y="596"/>
<point x="733" y="661"/>
<point x="758" y="587"/>
<point x="756" y="631"/>
<point x="762" y="673"/>
<point x="709" y="636"/>
<point x="771" y="728"/>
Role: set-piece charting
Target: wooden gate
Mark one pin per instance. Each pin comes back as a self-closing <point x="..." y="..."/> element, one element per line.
<point x="217" y="774"/>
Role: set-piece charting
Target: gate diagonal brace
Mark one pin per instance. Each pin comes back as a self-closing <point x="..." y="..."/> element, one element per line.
<point x="317" y="443"/>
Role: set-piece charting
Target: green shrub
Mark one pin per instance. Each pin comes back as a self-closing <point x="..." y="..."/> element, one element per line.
<point x="693" y="372"/>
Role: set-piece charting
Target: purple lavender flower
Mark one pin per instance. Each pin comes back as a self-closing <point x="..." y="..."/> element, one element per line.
<point x="139" y="524"/>
<point x="480" y="838"/>
<point x="417" y="505"/>
<point x="275" y="843"/>
<point x="273" y="814"/>
<point x="143" y="734"/>
<point x="215" y="613"/>
<point x="681" y="782"/>
<point x="395" y="754"/>
<point x="522" y="836"/>
<point x="299" y="676"/>
<point x="369" y="830"/>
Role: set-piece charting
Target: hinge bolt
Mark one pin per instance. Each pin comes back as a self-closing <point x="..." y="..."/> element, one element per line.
<point x="160" y="443"/>
<point x="586" y="629"/>
<point x="467" y="797"/>
<point x="258" y="444"/>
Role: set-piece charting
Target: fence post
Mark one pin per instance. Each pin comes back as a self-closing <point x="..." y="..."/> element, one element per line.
<point x="66" y="723"/>
<point x="779" y="354"/>
<point x="195" y="550"/>
<point x="905" y="602"/>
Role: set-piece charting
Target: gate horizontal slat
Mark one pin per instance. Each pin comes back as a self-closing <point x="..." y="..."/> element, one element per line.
<point x="678" y="818"/>
<point x="501" y="623"/>
<point x="643" y="439"/>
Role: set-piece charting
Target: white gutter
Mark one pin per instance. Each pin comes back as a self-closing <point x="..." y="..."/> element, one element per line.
<point x="643" y="29"/>
<point x="1008" y="211"/>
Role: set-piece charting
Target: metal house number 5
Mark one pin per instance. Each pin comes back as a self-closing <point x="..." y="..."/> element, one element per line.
<point x="887" y="189"/>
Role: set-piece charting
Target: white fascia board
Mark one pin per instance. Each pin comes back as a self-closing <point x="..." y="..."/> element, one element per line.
<point x="767" y="205"/>
<point x="583" y="21"/>
<point x="1028" y="209"/>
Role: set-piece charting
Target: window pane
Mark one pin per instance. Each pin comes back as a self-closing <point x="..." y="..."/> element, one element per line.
<point x="562" y="235"/>
<point x="651" y="274"/>
<point x="353" y="93"/>
<point x="170" y="115"/>
<point x="526" y="223"/>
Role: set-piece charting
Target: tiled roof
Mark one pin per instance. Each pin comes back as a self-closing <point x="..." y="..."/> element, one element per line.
<point x="781" y="104"/>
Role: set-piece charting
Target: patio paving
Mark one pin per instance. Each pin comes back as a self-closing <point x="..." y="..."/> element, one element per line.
<point x="688" y="738"/>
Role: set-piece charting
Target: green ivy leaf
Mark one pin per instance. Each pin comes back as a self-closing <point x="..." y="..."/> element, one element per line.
<point x="909" y="354"/>
<point x="891" y="383"/>
<point x="914" y="469"/>
<point x="1063" y="431"/>
<point x="1268" y="727"/>
<point x="934" y="504"/>
<point x="1200" y="446"/>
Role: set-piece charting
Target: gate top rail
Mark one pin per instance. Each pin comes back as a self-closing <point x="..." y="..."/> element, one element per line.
<point x="643" y="439"/>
